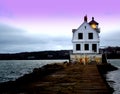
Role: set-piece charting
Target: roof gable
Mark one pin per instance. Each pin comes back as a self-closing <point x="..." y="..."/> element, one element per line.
<point x="84" y="27"/>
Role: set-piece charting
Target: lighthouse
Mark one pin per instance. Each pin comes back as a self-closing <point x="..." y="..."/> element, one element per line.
<point x="86" y="42"/>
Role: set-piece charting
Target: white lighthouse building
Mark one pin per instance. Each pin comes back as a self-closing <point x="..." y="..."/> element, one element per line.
<point x="86" y="42"/>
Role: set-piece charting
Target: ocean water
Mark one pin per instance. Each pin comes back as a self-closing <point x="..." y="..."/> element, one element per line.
<point x="113" y="77"/>
<point x="13" y="69"/>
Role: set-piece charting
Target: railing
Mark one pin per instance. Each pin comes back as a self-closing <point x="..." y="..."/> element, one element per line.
<point x="98" y="30"/>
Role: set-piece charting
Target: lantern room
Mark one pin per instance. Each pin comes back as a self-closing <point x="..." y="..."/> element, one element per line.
<point x="93" y="23"/>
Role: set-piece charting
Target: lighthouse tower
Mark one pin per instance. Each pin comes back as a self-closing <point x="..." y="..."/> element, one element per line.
<point x="86" y="41"/>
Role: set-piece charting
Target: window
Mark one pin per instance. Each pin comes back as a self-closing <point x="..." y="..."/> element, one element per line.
<point x="77" y="46"/>
<point x="94" y="47"/>
<point x="86" y="46"/>
<point x="90" y="35"/>
<point x="80" y="35"/>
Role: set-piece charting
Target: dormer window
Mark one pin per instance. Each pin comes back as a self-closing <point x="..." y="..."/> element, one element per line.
<point x="80" y="35"/>
<point x="90" y="35"/>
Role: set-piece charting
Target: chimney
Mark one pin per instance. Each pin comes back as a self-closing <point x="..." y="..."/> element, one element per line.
<point x="85" y="18"/>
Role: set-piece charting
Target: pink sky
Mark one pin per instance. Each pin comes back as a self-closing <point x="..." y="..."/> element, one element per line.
<point x="59" y="8"/>
<point x="56" y="18"/>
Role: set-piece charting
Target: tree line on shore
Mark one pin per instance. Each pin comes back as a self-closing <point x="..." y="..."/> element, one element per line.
<point x="110" y="52"/>
<point x="62" y="54"/>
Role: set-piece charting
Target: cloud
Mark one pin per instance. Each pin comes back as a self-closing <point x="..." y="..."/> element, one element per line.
<point x="10" y="34"/>
<point x="17" y="40"/>
<point x="111" y="38"/>
<point x="14" y="40"/>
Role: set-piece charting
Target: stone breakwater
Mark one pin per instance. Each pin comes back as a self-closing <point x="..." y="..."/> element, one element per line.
<point x="63" y="78"/>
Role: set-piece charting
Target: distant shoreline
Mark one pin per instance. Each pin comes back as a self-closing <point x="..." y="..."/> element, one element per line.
<point x="110" y="52"/>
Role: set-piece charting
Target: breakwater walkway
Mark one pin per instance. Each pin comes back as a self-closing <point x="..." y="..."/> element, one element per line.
<point x="61" y="79"/>
<point x="73" y="79"/>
